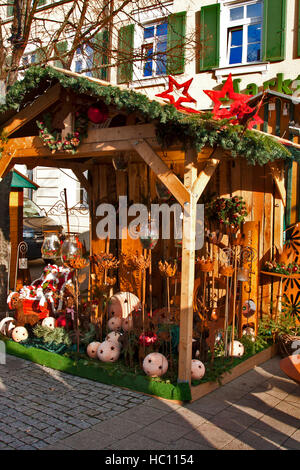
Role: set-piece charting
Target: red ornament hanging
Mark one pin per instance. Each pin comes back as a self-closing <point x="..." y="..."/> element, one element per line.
<point x="185" y="97"/>
<point x="97" y="113"/>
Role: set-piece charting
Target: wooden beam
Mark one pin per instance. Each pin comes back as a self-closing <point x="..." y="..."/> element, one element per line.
<point x="187" y="272"/>
<point x="205" y="175"/>
<point x="33" y="146"/>
<point x="142" y="131"/>
<point x="278" y="176"/>
<point x="81" y="178"/>
<point x="32" y="110"/>
<point x="163" y="172"/>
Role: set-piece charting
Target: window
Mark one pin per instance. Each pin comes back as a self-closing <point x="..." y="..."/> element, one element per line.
<point x="244" y="33"/>
<point x="83" y="60"/>
<point x="154" y="49"/>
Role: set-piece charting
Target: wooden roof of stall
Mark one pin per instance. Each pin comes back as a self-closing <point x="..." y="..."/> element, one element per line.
<point x="147" y="128"/>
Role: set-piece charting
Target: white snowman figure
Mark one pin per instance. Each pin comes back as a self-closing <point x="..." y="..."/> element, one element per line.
<point x="155" y="364"/>
<point x="237" y="350"/>
<point x="198" y="370"/>
<point x="114" y="324"/>
<point x="92" y="349"/>
<point x="19" y="334"/>
<point x="108" y="352"/>
<point x="49" y="322"/>
<point x="114" y="337"/>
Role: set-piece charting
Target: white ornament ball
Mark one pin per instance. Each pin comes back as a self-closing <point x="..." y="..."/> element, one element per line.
<point x="108" y="352"/>
<point x="49" y="322"/>
<point x="113" y="337"/>
<point x="19" y="334"/>
<point x="114" y="324"/>
<point x="7" y="325"/>
<point x="155" y="364"/>
<point x="250" y="333"/>
<point x="92" y="348"/>
<point x="123" y="304"/>
<point x="237" y="350"/>
<point x="198" y="369"/>
<point x="127" y="323"/>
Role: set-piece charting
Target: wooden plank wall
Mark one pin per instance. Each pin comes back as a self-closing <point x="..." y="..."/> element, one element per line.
<point x="233" y="177"/>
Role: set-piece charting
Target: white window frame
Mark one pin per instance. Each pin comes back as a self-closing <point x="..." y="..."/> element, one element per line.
<point x="226" y="25"/>
<point x="154" y="40"/>
<point x="143" y="19"/>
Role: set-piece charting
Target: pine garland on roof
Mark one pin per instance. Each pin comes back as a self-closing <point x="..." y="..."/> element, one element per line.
<point x="171" y="125"/>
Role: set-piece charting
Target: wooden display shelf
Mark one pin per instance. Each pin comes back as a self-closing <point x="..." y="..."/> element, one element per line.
<point x="286" y="276"/>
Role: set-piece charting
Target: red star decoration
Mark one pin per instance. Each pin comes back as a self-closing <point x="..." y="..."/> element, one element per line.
<point x="227" y="90"/>
<point x="185" y="98"/>
<point x="239" y="112"/>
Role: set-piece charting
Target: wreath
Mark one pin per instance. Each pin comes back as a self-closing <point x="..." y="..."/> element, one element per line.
<point x="53" y="138"/>
<point x="228" y="211"/>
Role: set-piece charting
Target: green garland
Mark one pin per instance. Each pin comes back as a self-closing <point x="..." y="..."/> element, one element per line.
<point x="196" y="131"/>
<point x="281" y="268"/>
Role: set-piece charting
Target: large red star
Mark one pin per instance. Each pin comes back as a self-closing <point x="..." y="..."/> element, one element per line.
<point x="184" y="98"/>
<point x="239" y="100"/>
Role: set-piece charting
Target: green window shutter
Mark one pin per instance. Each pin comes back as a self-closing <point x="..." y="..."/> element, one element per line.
<point x="100" y="57"/>
<point x="298" y="46"/>
<point x="62" y="47"/>
<point x="41" y="3"/>
<point x="274" y="30"/>
<point x="9" y="10"/>
<point x="175" y="40"/>
<point x="209" y="37"/>
<point x="125" y="50"/>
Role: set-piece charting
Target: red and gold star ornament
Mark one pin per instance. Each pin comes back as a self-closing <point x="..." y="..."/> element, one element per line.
<point x="177" y="93"/>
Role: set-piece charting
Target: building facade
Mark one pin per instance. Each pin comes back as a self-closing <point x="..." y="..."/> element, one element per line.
<point x="257" y="41"/>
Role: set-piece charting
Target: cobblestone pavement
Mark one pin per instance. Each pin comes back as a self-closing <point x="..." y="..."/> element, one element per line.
<point x="45" y="409"/>
<point x="40" y="406"/>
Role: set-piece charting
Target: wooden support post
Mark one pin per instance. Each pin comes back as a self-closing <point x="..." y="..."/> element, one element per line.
<point x="187" y="272"/>
<point x="205" y="175"/>
<point x="279" y="178"/>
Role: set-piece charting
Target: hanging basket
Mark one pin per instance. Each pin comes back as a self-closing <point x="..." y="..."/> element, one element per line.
<point x="286" y="344"/>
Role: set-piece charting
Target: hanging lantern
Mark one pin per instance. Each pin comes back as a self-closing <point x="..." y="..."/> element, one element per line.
<point x="243" y="275"/>
<point x="51" y="248"/>
<point x="149" y="235"/>
<point x="120" y="162"/>
<point x="162" y="191"/>
<point x="71" y="249"/>
<point x="98" y="113"/>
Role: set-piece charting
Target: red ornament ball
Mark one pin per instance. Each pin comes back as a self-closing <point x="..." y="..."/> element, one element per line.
<point x="97" y="114"/>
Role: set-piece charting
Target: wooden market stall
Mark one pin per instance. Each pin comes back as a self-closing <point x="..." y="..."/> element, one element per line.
<point x="154" y="142"/>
